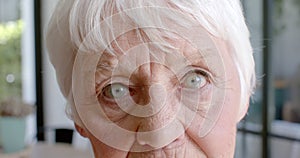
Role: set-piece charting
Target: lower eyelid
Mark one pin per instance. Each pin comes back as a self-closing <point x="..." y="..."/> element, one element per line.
<point x="114" y="113"/>
<point x="107" y="102"/>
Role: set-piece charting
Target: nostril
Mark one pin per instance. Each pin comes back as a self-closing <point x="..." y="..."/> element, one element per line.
<point x="163" y="136"/>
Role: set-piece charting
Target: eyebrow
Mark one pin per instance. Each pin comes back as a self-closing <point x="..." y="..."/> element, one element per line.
<point x="107" y="61"/>
<point x="199" y="59"/>
<point x="195" y="58"/>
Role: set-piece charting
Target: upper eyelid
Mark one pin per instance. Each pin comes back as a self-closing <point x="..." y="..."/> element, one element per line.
<point x="106" y="84"/>
<point x="211" y="75"/>
<point x="114" y="79"/>
<point x="200" y="72"/>
<point x="126" y="82"/>
<point x="192" y="68"/>
<point x="104" y="88"/>
<point x="207" y="74"/>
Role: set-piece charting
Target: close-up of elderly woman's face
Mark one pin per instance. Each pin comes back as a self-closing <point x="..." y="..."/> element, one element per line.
<point x="153" y="79"/>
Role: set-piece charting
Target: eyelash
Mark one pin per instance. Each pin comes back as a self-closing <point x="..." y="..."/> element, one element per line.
<point x="189" y="75"/>
<point x="101" y="91"/>
<point x="203" y="73"/>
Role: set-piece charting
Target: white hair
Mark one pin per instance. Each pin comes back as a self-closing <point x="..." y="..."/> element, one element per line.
<point x="74" y="21"/>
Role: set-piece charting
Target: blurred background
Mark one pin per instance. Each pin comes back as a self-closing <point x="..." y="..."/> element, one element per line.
<point x="272" y="125"/>
<point x="270" y="129"/>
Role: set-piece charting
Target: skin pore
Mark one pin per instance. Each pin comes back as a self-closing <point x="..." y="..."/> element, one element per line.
<point x="180" y="104"/>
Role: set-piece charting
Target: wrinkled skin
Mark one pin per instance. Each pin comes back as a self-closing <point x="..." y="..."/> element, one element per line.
<point x="218" y="141"/>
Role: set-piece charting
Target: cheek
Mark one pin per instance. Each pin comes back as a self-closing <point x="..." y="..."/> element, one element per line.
<point x="220" y="141"/>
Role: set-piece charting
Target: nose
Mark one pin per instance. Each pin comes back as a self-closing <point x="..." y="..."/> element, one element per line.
<point x="149" y="95"/>
<point x="160" y="137"/>
<point x="157" y="106"/>
<point x="151" y="90"/>
<point x="161" y="127"/>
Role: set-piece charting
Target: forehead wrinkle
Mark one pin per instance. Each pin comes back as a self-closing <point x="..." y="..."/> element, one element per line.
<point x="190" y="53"/>
<point x="187" y="54"/>
<point x="122" y="44"/>
<point x="195" y="56"/>
<point x="126" y="41"/>
<point x="195" y="59"/>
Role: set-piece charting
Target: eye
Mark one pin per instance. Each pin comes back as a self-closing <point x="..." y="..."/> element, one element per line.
<point x="115" y="91"/>
<point x="195" y="80"/>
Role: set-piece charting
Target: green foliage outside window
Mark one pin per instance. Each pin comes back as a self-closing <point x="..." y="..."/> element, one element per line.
<point x="10" y="59"/>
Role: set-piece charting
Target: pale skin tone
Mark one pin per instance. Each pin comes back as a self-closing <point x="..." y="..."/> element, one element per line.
<point x="219" y="141"/>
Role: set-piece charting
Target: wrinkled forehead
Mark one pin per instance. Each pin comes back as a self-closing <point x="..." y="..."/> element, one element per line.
<point x="173" y="51"/>
<point x="169" y="42"/>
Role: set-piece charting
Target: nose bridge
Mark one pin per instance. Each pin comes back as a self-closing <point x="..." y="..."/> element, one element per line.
<point x="153" y="72"/>
<point x="152" y="94"/>
<point x="155" y="92"/>
<point x="152" y="82"/>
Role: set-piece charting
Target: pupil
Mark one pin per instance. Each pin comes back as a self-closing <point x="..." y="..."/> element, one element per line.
<point x="195" y="79"/>
<point x="118" y="90"/>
